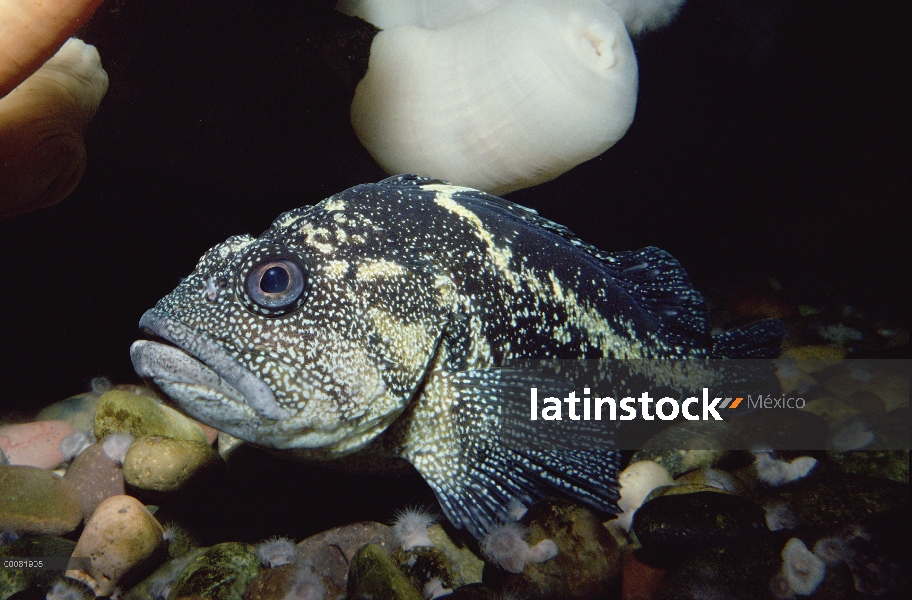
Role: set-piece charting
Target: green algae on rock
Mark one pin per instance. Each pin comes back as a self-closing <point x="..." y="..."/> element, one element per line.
<point x="15" y="580"/>
<point x="373" y="574"/>
<point x="587" y="564"/>
<point x="888" y="464"/>
<point x="222" y="572"/>
<point x="469" y="567"/>
<point x="124" y="412"/>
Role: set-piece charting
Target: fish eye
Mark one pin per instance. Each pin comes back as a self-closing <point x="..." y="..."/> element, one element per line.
<point x="276" y="285"/>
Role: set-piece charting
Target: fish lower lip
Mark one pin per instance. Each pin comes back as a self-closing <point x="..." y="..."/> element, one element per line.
<point x="203" y="348"/>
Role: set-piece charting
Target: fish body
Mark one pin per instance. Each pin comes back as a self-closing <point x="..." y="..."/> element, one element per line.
<point x="371" y="323"/>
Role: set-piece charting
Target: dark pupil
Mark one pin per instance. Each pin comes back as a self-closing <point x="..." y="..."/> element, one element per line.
<point x="274" y="281"/>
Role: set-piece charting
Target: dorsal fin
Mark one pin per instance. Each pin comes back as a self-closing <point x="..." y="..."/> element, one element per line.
<point x="652" y="276"/>
<point x="661" y="285"/>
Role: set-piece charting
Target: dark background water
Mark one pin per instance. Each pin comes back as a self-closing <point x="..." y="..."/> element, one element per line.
<point x="771" y="140"/>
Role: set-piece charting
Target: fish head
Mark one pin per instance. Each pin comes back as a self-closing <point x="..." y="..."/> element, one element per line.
<point x="313" y="337"/>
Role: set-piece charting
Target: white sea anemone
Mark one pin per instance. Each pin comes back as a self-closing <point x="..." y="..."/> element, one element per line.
<point x="277" y="552"/>
<point x="501" y="101"/>
<point x="506" y="546"/>
<point x="774" y="472"/>
<point x="636" y="481"/>
<point x="639" y="15"/>
<point x="429" y="14"/>
<point x="801" y="568"/>
<point x="411" y="528"/>
<point x="116" y="446"/>
<point x="73" y="444"/>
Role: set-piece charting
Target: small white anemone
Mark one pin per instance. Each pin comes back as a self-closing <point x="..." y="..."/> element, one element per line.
<point x="832" y="550"/>
<point x="73" y="444"/>
<point x="62" y="590"/>
<point x="801" y="568"/>
<point x="434" y="588"/>
<point x="636" y="481"/>
<point x="774" y="472"/>
<point x="506" y="546"/>
<point x="411" y="528"/>
<point x="307" y="586"/>
<point x="277" y="552"/>
<point x="779" y="517"/>
<point x="117" y="445"/>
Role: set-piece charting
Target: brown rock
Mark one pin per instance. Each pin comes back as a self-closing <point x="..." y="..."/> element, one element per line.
<point x="640" y="581"/>
<point x="279" y="583"/>
<point x="35" y="500"/>
<point x="123" y="539"/>
<point x="331" y="552"/>
<point x="95" y="477"/>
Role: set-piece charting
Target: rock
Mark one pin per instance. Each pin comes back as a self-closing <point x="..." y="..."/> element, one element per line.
<point x="95" y="477"/>
<point x="721" y="480"/>
<point x="781" y="430"/>
<point x="792" y="379"/>
<point x="892" y="387"/>
<point x="888" y="464"/>
<point x="468" y="566"/>
<point x="13" y="581"/>
<point x="78" y="411"/>
<point x="34" y="546"/>
<point x="744" y="572"/>
<point x="677" y="521"/>
<point x="37" y="501"/>
<point x="689" y="446"/>
<point x="815" y="358"/>
<point x="222" y="572"/>
<point x="124" y="412"/>
<point x="639" y="580"/>
<point x="372" y="574"/>
<point x="832" y="410"/>
<point x="872" y="431"/>
<point x="831" y="501"/>
<point x="866" y="402"/>
<point x="292" y="581"/>
<point x="123" y="540"/>
<point x="35" y="444"/>
<point x="762" y="569"/>
<point x="158" y="585"/>
<point x="162" y="464"/>
<point x="331" y="552"/>
<point x="210" y="432"/>
<point x="587" y="564"/>
<point x="422" y="564"/>
<point x="474" y="591"/>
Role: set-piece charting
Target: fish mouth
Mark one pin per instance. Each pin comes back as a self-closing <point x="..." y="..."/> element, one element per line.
<point x="197" y="362"/>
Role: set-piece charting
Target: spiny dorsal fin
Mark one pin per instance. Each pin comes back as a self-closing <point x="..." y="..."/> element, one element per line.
<point x="661" y="285"/>
<point x="654" y="278"/>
